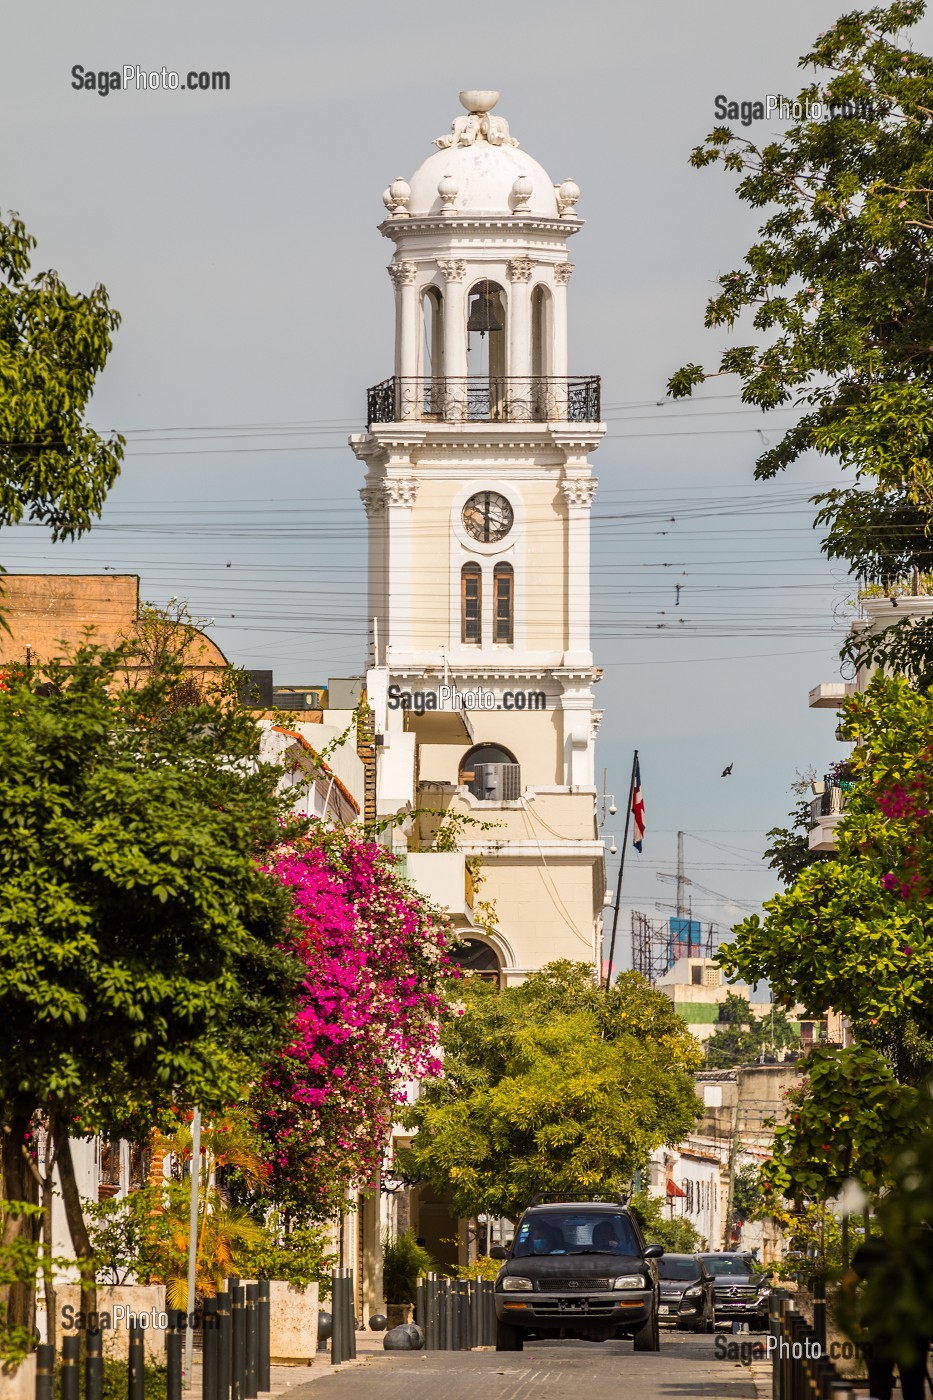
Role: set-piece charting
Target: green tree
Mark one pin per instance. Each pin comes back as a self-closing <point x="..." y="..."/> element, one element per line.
<point x="674" y="1233"/>
<point x="139" y="932"/>
<point x="553" y="1085"/>
<point x="745" y="1037"/>
<point x="53" y="345"/>
<point x="856" y="933"/>
<point x="789" y="852"/>
<point x="837" y="289"/>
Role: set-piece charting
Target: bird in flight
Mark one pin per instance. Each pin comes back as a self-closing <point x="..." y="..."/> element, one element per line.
<point x="726" y="772"/>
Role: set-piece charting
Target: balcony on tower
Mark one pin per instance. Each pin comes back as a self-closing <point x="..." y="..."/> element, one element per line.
<point x="477" y="398"/>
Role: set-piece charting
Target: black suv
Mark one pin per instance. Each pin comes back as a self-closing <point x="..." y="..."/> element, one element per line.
<point x="687" y="1297"/>
<point x="577" y="1269"/>
<point x="742" y="1289"/>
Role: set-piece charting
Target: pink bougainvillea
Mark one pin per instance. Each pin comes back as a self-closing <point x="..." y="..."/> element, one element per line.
<point x="373" y="988"/>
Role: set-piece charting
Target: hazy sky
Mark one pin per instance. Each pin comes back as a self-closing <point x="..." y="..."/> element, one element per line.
<point x="236" y="233"/>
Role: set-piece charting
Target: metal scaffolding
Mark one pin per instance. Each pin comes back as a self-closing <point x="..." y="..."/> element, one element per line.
<point x="658" y="943"/>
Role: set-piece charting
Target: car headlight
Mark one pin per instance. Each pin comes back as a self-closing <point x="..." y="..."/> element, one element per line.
<point x="693" y="1293"/>
<point x="513" y="1284"/>
<point x="629" y="1281"/>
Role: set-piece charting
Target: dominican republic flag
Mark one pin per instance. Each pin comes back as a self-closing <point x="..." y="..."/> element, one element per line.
<point x="638" y="809"/>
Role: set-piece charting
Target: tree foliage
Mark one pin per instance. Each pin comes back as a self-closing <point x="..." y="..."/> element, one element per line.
<point x="856" y="933"/>
<point x="53" y="345"/>
<point x="837" y="288"/>
<point x="375" y="975"/>
<point x="553" y="1085"/>
<point x="139" y="935"/>
<point x="789" y="852"/>
<point x="675" y="1233"/>
<point x="848" y="1119"/>
<point x="744" y="1037"/>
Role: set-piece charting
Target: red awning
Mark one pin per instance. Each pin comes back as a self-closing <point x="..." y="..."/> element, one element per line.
<point x="673" y="1189"/>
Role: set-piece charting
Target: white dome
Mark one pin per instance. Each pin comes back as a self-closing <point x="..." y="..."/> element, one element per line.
<point x="484" y="175"/>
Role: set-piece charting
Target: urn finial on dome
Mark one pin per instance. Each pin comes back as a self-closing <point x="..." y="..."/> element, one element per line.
<point x="567" y="195"/>
<point x="396" y="198"/>
<point x="522" y="190"/>
<point x="448" y="189"/>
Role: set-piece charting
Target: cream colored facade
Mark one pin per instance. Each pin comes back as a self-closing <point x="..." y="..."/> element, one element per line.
<point x="478" y="491"/>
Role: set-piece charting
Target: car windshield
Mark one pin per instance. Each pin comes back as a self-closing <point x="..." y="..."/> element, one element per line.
<point x="574" y="1232"/>
<point x="730" y="1264"/>
<point x="683" y="1270"/>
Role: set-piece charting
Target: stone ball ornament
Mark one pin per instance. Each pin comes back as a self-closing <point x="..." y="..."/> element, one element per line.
<point x="408" y="1337"/>
<point x="396" y="198"/>
<point x="567" y="195"/>
<point x="378" y="1322"/>
<point x="447" y="189"/>
<point x="522" y="190"/>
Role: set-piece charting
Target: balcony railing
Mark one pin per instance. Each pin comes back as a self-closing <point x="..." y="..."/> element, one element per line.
<point x="482" y="398"/>
<point x="832" y="801"/>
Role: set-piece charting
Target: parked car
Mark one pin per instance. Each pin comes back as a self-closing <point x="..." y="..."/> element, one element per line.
<point x="577" y="1269"/>
<point x="687" y="1297"/>
<point x="742" y="1289"/>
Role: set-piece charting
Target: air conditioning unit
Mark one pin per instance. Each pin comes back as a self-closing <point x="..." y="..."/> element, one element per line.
<point x="496" y="782"/>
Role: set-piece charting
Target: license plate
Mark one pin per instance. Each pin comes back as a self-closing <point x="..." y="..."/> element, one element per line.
<point x="664" y="1310"/>
<point x="573" y="1305"/>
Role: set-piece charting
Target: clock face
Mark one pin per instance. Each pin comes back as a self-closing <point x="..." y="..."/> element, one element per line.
<point x="488" y="516"/>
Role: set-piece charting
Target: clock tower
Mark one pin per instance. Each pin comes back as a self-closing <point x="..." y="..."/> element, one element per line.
<point x="478" y="491"/>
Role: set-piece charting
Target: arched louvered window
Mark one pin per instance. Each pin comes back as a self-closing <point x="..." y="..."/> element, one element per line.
<point x="471" y="604"/>
<point x="504" y="604"/>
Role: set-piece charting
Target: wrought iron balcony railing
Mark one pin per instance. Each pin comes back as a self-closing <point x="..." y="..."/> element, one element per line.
<point x="833" y="799"/>
<point x="481" y="398"/>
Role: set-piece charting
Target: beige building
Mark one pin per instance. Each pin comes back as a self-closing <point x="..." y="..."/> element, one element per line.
<point x="477" y="491"/>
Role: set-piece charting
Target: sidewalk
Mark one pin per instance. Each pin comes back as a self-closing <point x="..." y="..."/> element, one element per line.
<point x="284" y="1379"/>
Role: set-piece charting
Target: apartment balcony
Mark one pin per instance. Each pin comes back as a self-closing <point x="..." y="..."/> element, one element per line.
<point x="830" y="695"/>
<point x="483" y="398"/>
<point x="442" y="876"/>
<point x="826" y="810"/>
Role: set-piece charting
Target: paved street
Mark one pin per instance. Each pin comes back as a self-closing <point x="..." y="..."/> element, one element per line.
<point x="685" y="1369"/>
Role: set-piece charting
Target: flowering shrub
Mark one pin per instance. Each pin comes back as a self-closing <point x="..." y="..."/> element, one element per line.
<point x="376" y="971"/>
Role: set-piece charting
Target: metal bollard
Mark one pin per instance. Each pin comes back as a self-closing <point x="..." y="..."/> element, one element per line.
<point x="264" y="1324"/>
<point x="45" y="1371"/>
<point x="238" y="1347"/>
<point x="174" y="1344"/>
<point x="419" y="1303"/>
<point x="819" y="1310"/>
<point x="252" y="1340"/>
<point x="430" y="1313"/>
<point x="224" y="1343"/>
<point x="210" y="1354"/>
<point x="336" y="1336"/>
<point x="71" y="1376"/>
<point x="136" y="1369"/>
<point x="94" y="1366"/>
<point x="351" y="1315"/>
<point x="450" y="1316"/>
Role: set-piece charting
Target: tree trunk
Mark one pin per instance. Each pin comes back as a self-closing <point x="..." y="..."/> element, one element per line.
<point x="20" y="1183"/>
<point x="48" y="1268"/>
<point x="71" y="1199"/>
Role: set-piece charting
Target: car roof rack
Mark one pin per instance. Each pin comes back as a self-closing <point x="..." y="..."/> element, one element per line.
<point x="570" y="1197"/>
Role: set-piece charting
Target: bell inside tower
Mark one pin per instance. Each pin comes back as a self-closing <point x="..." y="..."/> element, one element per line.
<point x="486" y="367"/>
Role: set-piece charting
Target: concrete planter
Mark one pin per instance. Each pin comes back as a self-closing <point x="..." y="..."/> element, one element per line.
<point x="293" y="1323"/>
<point x="19" y="1384"/>
<point x="115" y="1304"/>
<point x="398" y="1314"/>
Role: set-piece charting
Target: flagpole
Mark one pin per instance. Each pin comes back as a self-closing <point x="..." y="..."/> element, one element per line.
<point x="615" y="917"/>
